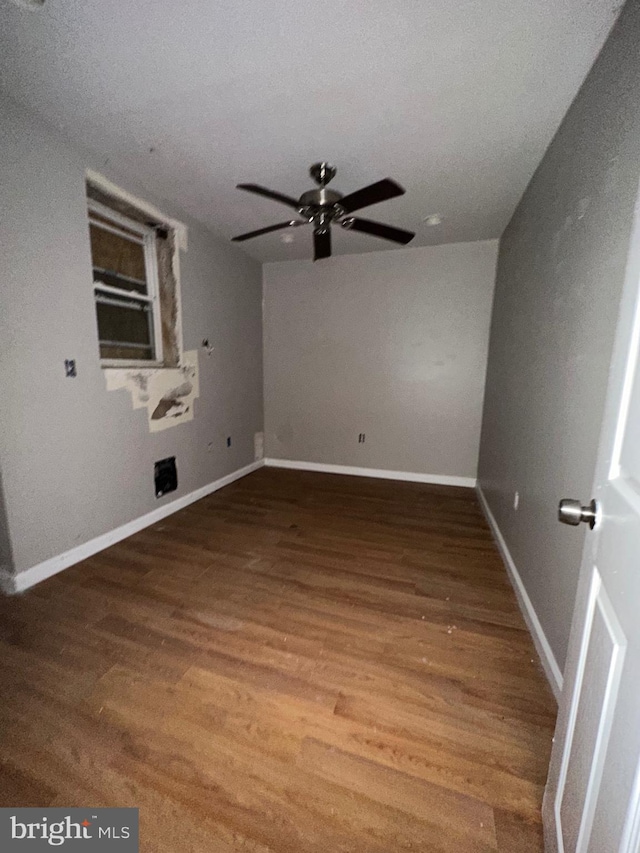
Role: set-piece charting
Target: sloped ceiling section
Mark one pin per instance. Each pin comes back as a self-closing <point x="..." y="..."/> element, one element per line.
<point x="456" y="101"/>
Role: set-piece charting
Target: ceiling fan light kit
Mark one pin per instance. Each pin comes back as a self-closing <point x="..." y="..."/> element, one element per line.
<point x="323" y="207"/>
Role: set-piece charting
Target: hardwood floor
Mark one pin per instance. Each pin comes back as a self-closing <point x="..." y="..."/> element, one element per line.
<point x="300" y="662"/>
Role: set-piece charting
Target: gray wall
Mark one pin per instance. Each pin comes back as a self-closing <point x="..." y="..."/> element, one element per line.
<point x="392" y="344"/>
<point x="6" y="557"/>
<point x="77" y="460"/>
<point x="560" y="274"/>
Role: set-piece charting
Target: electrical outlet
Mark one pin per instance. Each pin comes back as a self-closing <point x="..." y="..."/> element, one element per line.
<point x="516" y="500"/>
<point x="228" y="441"/>
<point x="70" y="368"/>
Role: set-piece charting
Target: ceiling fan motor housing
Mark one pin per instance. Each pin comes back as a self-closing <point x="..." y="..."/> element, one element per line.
<point x="321" y="202"/>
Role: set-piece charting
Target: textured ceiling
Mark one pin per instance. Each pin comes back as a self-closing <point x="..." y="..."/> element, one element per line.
<point x="457" y="101"/>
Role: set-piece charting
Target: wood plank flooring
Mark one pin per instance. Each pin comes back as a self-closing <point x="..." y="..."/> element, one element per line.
<point x="300" y="662"/>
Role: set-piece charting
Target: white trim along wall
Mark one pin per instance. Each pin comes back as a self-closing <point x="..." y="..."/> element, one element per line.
<point x="10" y="583"/>
<point x="379" y="473"/>
<point x="545" y="653"/>
<point x="20" y="582"/>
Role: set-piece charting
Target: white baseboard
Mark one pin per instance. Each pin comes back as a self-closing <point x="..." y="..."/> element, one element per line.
<point x="545" y="653"/>
<point x="10" y="583"/>
<point x="380" y="473"/>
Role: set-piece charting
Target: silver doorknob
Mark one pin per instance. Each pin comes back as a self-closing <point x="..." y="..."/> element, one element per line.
<point x="571" y="511"/>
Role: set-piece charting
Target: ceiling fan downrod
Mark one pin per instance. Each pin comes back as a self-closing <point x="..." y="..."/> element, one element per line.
<point x="322" y="173"/>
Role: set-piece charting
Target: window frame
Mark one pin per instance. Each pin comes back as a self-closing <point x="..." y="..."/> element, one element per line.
<point x="147" y="237"/>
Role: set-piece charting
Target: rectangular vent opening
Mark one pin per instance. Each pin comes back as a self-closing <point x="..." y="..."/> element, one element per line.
<point x="166" y="476"/>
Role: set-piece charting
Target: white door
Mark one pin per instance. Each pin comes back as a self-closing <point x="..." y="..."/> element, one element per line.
<point x="592" y="801"/>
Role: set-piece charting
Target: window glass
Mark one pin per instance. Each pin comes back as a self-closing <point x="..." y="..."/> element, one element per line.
<point x="118" y="260"/>
<point x="125" y="328"/>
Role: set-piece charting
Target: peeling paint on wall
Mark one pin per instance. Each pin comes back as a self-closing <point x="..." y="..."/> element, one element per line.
<point x="167" y="393"/>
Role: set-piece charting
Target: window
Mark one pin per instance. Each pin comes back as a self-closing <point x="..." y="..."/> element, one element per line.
<point x="125" y="286"/>
<point x="133" y="283"/>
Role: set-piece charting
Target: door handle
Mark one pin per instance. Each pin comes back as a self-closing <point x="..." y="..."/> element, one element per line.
<point x="571" y="511"/>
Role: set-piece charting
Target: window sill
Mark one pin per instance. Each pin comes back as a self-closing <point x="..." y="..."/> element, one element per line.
<point x="113" y="364"/>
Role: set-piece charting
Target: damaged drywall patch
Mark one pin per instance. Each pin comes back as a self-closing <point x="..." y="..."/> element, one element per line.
<point x="167" y="393"/>
<point x="173" y="404"/>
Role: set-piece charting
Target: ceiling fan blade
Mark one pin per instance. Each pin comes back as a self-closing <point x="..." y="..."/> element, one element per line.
<point x="274" y="196"/>
<point x="266" y="230"/>
<point x="380" y="191"/>
<point x="321" y="244"/>
<point x="377" y="229"/>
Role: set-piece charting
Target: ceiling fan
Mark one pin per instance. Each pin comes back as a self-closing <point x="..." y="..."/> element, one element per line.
<point x="323" y="207"/>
